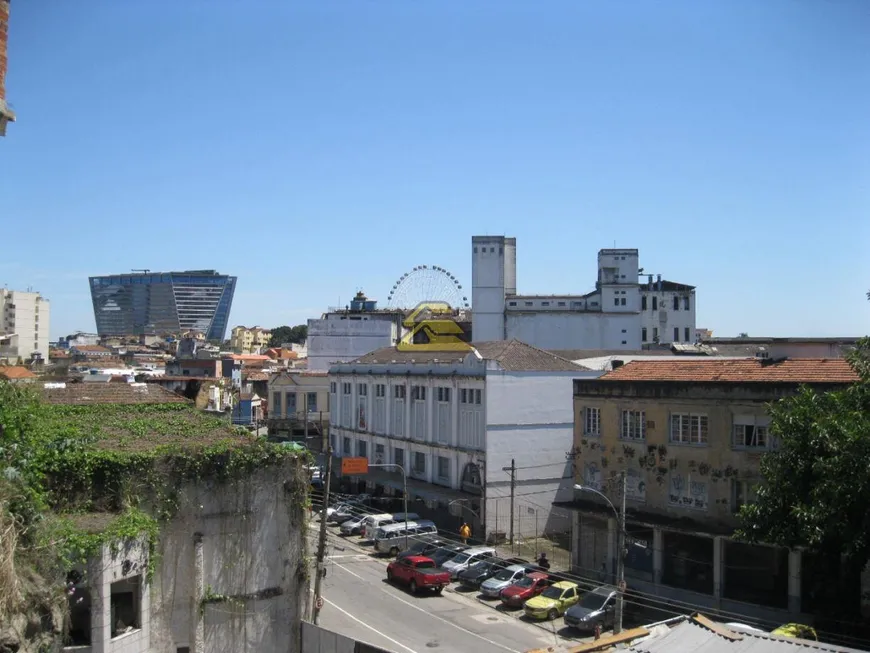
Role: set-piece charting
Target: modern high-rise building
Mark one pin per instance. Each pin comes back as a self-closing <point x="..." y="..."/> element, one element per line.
<point x="163" y="302"/>
<point x="24" y="324"/>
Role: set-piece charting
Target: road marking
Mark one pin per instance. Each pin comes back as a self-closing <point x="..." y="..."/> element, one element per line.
<point x="371" y="628"/>
<point x="434" y="616"/>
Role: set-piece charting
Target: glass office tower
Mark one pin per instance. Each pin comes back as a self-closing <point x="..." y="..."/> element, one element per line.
<point x="163" y="302"/>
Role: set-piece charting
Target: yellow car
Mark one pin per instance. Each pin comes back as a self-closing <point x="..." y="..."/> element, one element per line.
<point x="553" y="601"/>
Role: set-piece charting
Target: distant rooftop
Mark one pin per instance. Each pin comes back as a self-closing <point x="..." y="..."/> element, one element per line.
<point x="744" y="370"/>
<point x="78" y="394"/>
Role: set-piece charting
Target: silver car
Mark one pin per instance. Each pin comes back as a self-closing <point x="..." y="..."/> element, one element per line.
<point x="464" y="560"/>
<point x="493" y="586"/>
<point x="353" y="526"/>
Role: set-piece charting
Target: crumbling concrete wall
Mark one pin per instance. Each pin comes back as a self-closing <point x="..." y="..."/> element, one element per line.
<point x="232" y="571"/>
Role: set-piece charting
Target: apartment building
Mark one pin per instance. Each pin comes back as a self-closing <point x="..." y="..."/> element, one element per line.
<point x="455" y="421"/>
<point x="689" y="435"/>
<point x="298" y="405"/>
<point x="25" y="318"/>
<point x="254" y="340"/>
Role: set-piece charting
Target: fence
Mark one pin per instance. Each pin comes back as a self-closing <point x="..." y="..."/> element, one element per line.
<point x="319" y="640"/>
<point x="536" y="530"/>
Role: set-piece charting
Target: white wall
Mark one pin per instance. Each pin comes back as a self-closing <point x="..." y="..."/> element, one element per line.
<point x="32" y="321"/>
<point x="335" y="340"/>
<point x="575" y="330"/>
<point x="253" y="539"/>
<point x="530" y="419"/>
<point x="680" y="319"/>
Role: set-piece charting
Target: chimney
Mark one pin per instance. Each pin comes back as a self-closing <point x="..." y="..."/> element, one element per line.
<point x="6" y="114"/>
<point x="659" y="281"/>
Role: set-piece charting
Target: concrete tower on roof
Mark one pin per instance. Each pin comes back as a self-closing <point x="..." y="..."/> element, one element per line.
<point x="493" y="278"/>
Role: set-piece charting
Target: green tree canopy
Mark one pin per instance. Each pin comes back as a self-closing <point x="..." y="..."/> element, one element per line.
<point x="816" y="489"/>
<point x="296" y="334"/>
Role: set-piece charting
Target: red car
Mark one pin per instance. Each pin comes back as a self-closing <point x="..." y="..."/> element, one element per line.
<point x="527" y="587"/>
<point x="418" y="572"/>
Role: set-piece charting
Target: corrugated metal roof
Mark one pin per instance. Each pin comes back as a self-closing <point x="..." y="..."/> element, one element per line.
<point x="691" y="637"/>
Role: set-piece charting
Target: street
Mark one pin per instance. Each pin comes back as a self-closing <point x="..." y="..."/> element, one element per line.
<point x="359" y="603"/>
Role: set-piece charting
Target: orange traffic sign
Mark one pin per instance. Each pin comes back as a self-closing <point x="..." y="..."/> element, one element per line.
<point x="354" y="466"/>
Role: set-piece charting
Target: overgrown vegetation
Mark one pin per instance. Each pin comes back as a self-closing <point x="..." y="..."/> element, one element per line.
<point x="75" y="478"/>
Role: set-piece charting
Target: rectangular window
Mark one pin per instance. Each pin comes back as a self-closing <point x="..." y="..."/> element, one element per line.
<point x="332" y="386"/>
<point x="616" y="301"/>
<point x="676" y="334"/>
<point x="643" y="303"/>
<point x="419" y="466"/>
<point x="399" y="457"/>
<point x="743" y="493"/>
<point x="463" y="396"/>
<point x="622" y="301"/>
<point x="633" y="425"/>
<point x="380" y="390"/>
<point x="750" y="436"/>
<point x="655" y="303"/>
<point x="362" y="449"/>
<point x="592" y="421"/>
<point x="686" y="337"/>
<point x="379" y="454"/>
<point x="686" y="303"/>
<point x="418" y="392"/>
<point x="291" y="403"/>
<point x="362" y="389"/>
<point x="444" y="394"/>
<point x="399" y="391"/>
<point x="676" y="303"/>
<point x="477" y="397"/>
<point x="345" y="446"/>
<point x="643" y="334"/>
<point x="443" y="468"/>
<point x="345" y="388"/>
<point x="655" y="334"/>
<point x="125" y="605"/>
<point x="312" y="402"/>
<point x="276" y="403"/>
<point x="688" y="428"/>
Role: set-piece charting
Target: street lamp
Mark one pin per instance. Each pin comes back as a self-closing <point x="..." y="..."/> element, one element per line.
<point x="620" y="548"/>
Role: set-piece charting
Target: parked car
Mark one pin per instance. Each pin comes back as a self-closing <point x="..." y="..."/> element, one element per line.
<point x="527" y="587"/>
<point x="352" y="526"/>
<point x="464" y="560"/>
<point x="493" y="586"/>
<point x="418" y="572"/>
<point x="595" y="608"/>
<point x="343" y="513"/>
<point x="373" y="523"/>
<point x="400" y="516"/>
<point x="393" y="538"/>
<point x="447" y="553"/>
<point x="422" y="545"/>
<point x="476" y="574"/>
<point x="553" y="601"/>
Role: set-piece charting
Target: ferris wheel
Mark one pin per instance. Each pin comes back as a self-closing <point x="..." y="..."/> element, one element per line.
<point x="427" y="283"/>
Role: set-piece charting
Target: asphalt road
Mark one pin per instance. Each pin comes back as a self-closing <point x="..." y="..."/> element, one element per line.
<point x="359" y="603"/>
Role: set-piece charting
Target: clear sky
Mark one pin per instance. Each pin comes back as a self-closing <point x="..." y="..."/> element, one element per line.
<point x="316" y="148"/>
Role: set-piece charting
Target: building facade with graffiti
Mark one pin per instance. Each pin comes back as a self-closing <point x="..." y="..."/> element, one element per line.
<point x="454" y="419"/>
<point x="689" y="435"/>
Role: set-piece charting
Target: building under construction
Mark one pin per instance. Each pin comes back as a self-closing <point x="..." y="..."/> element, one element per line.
<point x="6" y="114"/>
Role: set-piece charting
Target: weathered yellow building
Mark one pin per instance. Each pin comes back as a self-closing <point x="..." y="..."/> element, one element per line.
<point x="299" y="405"/>
<point x="689" y="436"/>
<point x="249" y="341"/>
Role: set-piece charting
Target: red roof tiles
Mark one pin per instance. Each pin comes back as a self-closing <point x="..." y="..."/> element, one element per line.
<point x="792" y="370"/>
<point x="16" y="372"/>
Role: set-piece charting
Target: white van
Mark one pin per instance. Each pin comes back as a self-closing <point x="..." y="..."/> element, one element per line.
<point x="373" y="522"/>
<point x="393" y="538"/>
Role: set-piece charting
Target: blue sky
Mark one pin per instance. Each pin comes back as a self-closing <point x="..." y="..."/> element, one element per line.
<point x="316" y="148"/>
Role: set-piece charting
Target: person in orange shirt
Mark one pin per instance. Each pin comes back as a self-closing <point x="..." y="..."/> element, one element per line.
<point x="465" y="532"/>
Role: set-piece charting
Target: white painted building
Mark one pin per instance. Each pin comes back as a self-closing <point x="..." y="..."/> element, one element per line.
<point x="342" y="335"/>
<point x="613" y="316"/>
<point x="454" y="420"/>
<point x="25" y="318"/>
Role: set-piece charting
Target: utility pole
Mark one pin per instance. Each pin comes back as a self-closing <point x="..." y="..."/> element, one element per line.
<point x="620" y="559"/>
<point x="321" y="546"/>
<point x="513" y="470"/>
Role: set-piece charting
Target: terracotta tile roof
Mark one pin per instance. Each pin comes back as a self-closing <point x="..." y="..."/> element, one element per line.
<point x="511" y="355"/>
<point x="281" y="353"/>
<point x="256" y="376"/>
<point x="16" y="372"/>
<point x="516" y="356"/>
<point x="249" y="358"/>
<point x="110" y="393"/>
<point x="792" y="370"/>
<point x="90" y="348"/>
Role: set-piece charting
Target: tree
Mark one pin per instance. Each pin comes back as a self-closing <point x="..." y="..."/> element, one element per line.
<point x="743" y="334"/>
<point x="816" y="489"/>
<point x="282" y="334"/>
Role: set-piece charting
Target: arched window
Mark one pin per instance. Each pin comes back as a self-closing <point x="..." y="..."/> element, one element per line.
<point x="471" y="479"/>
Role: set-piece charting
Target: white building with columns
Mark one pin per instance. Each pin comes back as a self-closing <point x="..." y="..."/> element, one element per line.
<point x="617" y="314"/>
<point x="455" y="420"/>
